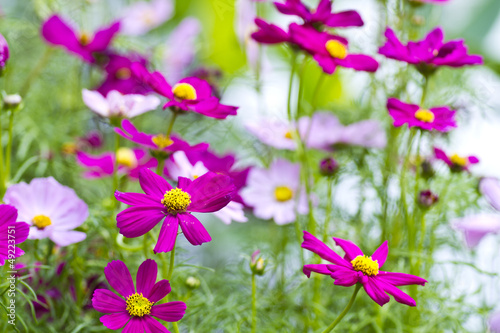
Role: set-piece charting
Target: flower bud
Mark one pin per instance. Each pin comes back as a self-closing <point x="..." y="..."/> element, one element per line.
<point x="328" y="167"/>
<point x="12" y="102"/>
<point x="257" y="264"/>
<point x="4" y="53"/>
<point x="426" y="169"/>
<point x="427" y="199"/>
<point x="192" y="282"/>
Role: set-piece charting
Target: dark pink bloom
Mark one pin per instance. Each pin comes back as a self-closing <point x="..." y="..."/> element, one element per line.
<point x="322" y="14"/>
<point x="130" y="161"/>
<point x="157" y="142"/>
<point x="92" y="139"/>
<point x="57" y="32"/>
<point x="134" y="307"/>
<point x="439" y="118"/>
<point x="356" y="267"/>
<point x="119" y="75"/>
<point x="11" y="232"/>
<point x="206" y="194"/>
<point x="189" y="94"/>
<point x="269" y="33"/>
<point x="429" y="53"/>
<point x="330" y="51"/>
<point x="455" y="162"/>
<point x="4" y="52"/>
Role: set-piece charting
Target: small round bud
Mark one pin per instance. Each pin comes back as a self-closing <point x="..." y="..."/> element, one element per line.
<point x="427" y="199"/>
<point x="427" y="171"/>
<point x="12" y="102"/>
<point x="257" y="264"/>
<point x="192" y="282"/>
<point x="328" y="167"/>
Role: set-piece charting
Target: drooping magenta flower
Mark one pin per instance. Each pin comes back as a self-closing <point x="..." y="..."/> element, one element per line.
<point x="189" y="94"/>
<point x="356" y="267"/>
<point x="456" y="162"/>
<point x="119" y="75"/>
<point x="52" y="210"/>
<point x="206" y="194"/>
<point x="4" y="52"/>
<point x="330" y="51"/>
<point x="322" y="14"/>
<point x="475" y="227"/>
<point x="494" y="322"/>
<point x="439" y="118"/>
<point x="275" y="133"/>
<point x="129" y="161"/>
<point x="490" y="188"/>
<point x="268" y="33"/>
<point x="11" y="233"/>
<point x="159" y="142"/>
<point x="178" y="165"/>
<point x="142" y="16"/>
<point x="275" y="193"/>
<point x="134" y="308"/>
<point x="429" y="53"/>
<point x="57" y="32"/>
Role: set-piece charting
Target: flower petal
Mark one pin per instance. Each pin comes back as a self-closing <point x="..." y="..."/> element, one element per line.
<point x="154" y="326"/>
<point x="137" y="199"/>
<point x="107" y="301"/>
<point x="152" y="184"/>
<point x="138" y="220"/>
<point x="210" y="192"/>
<point x="171" y="311"/>
<point x="168" y="234"/>
<point x="380" y="255"/>
<point x="351" y="250"/>
<point x="400" y="279"/>
<point x="159" y="291"/>
<point x="313" y="244"/>
<point x="146" y="276"/>
<point x="115" y="321"/>
<point x="319" y="268"/>
<point x="135" y="325"/>
<point x="375" y="291"/>
<point x="119" y="278"/>
<point x="193" y="230"/>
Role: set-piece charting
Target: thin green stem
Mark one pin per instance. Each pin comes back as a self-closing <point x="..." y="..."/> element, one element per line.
<point x="115" y="168"/>
<point x="425" y="85"/>
<point x="171" y="124"/>
<point x="8" y="154"/>
<point x="159" y="167"/>
<point x="343" y="313"/>
<point x="254" y="304"/>
<point x="2" y="178"/>
<point x="290" y="86"/>
<point x="171" y="265"/>
<point x="176" y="328"/>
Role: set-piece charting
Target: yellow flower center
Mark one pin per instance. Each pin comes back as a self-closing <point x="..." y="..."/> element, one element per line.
<point x="126" y="157"/>
<point x="283" y="193"/>
<point x="458" y="160"/>
<point x="123" y="73"/>
<point x="425" y="115"/>
<point x="184" y="91"/>
<point x="176" y="200"/>
<point x="138" y="305"/>
<point x="288" y="135"/>
<point x="85" y="38"/>
<point x="41" y="221"/>
<point x="336" y="49"/>
<point x="365" y="265"/>
<point x="162" y="141"/>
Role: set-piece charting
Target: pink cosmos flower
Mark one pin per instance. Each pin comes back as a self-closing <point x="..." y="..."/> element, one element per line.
<point x="330" y="51"/>
<point x="178" y="165"/>
<point x="269" y="33"/>
<point x="142" y="16"/>
<point x="439" y="118"/>
<point x="189" y="94"/>
<point x="494" y="322"/>
<point x="92" y="139"/>
<point x="475" y="227"/>
<point x="206" y="194"/>
<point x="157" y="142"/>
<point x="356" y="267"/>
<point x="275" y="133"/>
<point x="456" y="162"/>
<point x="322" y="14"/>
<point x="275" y="193"/>
<point x="134" y="308"/>
<point x="429" y="53"/>
<point x="119" y="75"/>
<point x="4" y="52"/>
<point x="57" y="32"/>
<point x="115" y="104"/>
<point x="11" y="232"/>
<point x="490" y="188"/>
<point x="53" y="210"/>
<point x="130" y="161"/>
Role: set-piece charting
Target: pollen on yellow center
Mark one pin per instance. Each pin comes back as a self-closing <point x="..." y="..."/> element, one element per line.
<point x="366" y="265"/>
<point x="336" y="49"/>
<point x="41" y="221"/>
<point x="123" y="73"/>
<point x="184" y="91"/>
<point x="162" y="141"/>
<point x="85" y="38"/>
<point x="283" y="193"/>
<point x="425" y="115"/>
<point x="125" y="156"/>
<point x="176" y="200"/>
<point x="458" y="160"/>
<point x="138" y="305"/>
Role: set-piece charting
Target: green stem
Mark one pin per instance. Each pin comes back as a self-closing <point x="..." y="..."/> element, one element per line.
<point x="254" y="304"/>
<point x="329" y="207"/>
<point x="171" y="265"/>
<point x="159" y="167"/>
<point x="290" y="86"/>
<point x="171" y="124"/>
<point x="115" y="167"/>
<point x="347" y="308"/>
<point x="2" y="178"/>
<point x="424" y="90"/>
<point x="8" y="154"/>
<point x="176" y="328"/>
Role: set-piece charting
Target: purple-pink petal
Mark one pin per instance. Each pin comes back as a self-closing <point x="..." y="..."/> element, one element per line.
<point x="380" y="255"/>
<point x="138" y="220"/>
<point x="193" y="230"/>
<point x="313" y="244"/>
<point x="152" y="325"/>
<point x="107" y="301"/>
<point x="137" y="199"/>
<point x="115" y="321"/>
<point x="152" y="184"/>
<point x="398" y="295"/>
<point x="318" y="268"/>
<point x="159" y="291"/>
<point x="210" y="192"/>
<point x="168" y="234"/>
<point x="135" y="325"/>
<point x="146" y="276"/>
<point x="400" y="279"/>
<point x="119" y="278"/>
<point x="171" y="311"/>
<point x="374" y="290"/>
<point x="351" y="250"/>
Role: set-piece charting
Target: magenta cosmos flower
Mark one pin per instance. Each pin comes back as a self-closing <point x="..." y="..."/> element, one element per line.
<point x="356" y="267"/>
<point x="330" y="51"/>
<point x="322" y="14"/>
<point x="4" y="52"/>
<point x="490" y="188"/>
<point x="119" y="75"/>
<point x="11" y="233"/>
<point x="476" y="227"/>
<point x="206" y="194"/>
<point x="57" y="32"/>
<point x="129" y="161"/>
<point x="53" y="210"/>
<point x="439" y="118"/>
<point x="456" y="162"/>
<point x="134" y="308"/>
<point x="189" y="94"/>
<point x="429" y="53"/>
